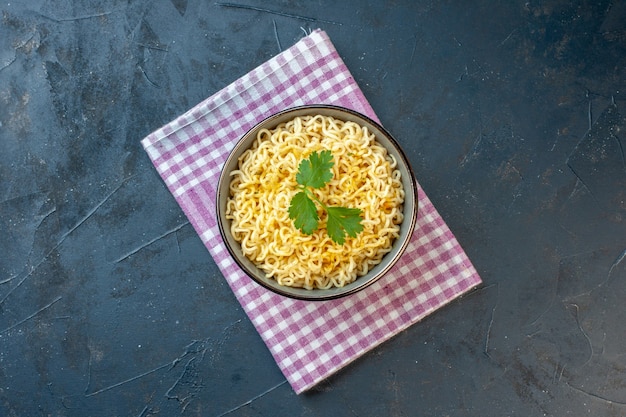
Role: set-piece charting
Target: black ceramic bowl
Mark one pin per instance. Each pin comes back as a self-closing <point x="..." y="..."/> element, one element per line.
<point x="406" y="228"/>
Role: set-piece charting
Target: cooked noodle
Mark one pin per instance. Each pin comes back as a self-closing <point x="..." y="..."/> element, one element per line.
<point x="364" y="177"/>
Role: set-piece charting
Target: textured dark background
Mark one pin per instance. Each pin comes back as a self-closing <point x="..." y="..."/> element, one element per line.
<point x="512" y="114"/>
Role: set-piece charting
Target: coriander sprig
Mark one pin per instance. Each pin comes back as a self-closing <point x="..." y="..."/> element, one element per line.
<point x="314" y="173"/>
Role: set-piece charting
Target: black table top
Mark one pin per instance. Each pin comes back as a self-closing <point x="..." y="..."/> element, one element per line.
<point x="511" y="114"/>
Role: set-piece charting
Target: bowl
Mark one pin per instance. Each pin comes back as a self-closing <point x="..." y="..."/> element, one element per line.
<point x="407" y="226"/>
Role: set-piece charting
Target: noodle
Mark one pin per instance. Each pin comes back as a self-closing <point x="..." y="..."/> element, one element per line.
<point x="364" y="177"/>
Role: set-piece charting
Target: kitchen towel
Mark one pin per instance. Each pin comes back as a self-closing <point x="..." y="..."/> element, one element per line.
<point x="309" y="340"/>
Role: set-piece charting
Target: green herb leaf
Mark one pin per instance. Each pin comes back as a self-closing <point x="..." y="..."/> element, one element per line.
<point x="342" y="221"/>
<point x="303" y="212"/>
<point x="316" y="171"/>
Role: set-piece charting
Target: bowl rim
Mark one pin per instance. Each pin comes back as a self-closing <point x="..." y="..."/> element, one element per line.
<point x="335" y="292"/>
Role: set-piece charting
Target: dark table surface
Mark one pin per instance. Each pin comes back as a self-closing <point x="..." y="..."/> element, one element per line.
<point x="512" y="114"/>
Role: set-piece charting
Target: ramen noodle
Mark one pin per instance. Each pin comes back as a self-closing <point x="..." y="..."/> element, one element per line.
<point x="364" y="176"/>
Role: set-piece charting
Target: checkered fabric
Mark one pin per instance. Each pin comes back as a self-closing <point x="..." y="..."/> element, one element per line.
<point x="309" y="340"/>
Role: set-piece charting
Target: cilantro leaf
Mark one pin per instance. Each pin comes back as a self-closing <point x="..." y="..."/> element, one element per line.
<point x="316" y="171"/>
<point x="303" y="212"/>
<point x="342" y="221"/>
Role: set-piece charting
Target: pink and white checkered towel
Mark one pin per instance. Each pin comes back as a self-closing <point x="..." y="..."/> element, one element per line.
<point x="309" y="340"/>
